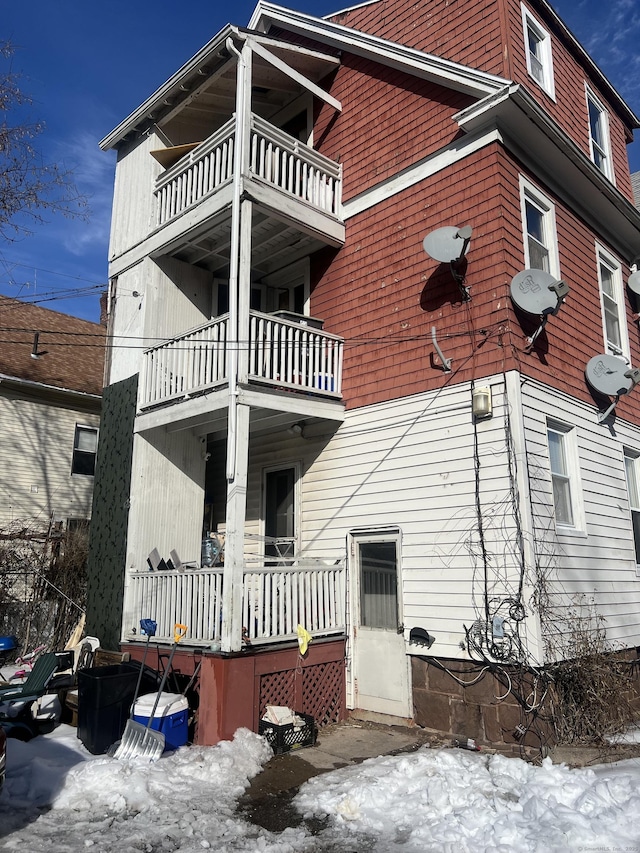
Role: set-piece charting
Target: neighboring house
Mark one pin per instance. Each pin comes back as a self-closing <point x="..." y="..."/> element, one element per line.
<point x="394" y="455"/>
<point x="51" y="376"/>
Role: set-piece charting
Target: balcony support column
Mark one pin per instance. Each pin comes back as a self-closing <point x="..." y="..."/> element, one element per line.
<point x="238" y="419"/>
<point x="232" y="581"/>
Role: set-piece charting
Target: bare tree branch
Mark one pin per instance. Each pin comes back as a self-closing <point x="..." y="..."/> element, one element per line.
<point x="29" y="186"/>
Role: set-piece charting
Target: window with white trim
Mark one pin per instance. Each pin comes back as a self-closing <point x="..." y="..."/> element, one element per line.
<point x="85" y="447"/>
<point x="614" y="323"/>
<point x="631" y="464"/>
<point x="537" y="44"/>
<point x="539" y="230"/>
<point x="599" y="143"/>
<point x="564" y="476"/>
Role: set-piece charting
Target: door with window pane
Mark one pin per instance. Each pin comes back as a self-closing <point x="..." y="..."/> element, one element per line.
<point x="380" y="664"/>
<point x="280" y="514"/>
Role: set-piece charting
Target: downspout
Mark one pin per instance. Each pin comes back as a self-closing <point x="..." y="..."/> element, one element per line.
<point x="232" y="337"/>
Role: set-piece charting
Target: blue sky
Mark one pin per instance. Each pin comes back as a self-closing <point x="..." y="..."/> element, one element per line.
<point x="88" y="65"/>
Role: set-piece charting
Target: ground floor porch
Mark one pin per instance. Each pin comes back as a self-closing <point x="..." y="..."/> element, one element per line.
<point x="232" y="690"/>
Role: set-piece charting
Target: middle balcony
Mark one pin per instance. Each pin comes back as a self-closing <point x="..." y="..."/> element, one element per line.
<point x="290" y="356"/>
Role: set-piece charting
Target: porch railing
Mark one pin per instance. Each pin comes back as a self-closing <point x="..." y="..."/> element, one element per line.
<point x="197" y="174"/>
<point x="281" y="353"/>
<point x="275" y="158"/>
<point x="294" y="167"/>
<point x="284" y="352"/>
<point x="185" y="364"/>
<point x="275" y="600"/>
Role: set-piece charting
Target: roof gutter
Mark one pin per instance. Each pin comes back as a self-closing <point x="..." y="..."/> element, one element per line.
<point x="17" y="382"/>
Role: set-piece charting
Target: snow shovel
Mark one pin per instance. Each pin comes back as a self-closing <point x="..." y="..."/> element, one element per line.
<point x="148" y="627"/>
<point x="141" y="741"/>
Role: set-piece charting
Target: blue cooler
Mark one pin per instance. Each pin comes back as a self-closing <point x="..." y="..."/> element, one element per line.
<point x="171" y="717"/>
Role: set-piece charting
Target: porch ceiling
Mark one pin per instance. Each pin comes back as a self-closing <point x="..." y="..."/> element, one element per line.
<point x="271" y="411"/>
<point x="275" y="244"/>
<point x="204" y="89"/>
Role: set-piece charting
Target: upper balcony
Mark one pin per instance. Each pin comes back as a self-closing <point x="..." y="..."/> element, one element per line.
<point x="285" y="177"/>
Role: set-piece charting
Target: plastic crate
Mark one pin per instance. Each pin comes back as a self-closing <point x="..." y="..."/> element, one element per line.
<point x="284" y="738"/>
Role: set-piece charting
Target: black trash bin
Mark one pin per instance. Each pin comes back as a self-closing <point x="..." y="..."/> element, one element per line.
<point x="105" y="696"/>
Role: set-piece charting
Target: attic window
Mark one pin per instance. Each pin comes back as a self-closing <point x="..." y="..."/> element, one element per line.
<point x="537" y="43"/>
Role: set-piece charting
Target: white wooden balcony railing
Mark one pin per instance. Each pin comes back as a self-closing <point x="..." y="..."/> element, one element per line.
<point x="282" y="353"/>
<point x="275" y="158"/>
<point x="275" y="600"/>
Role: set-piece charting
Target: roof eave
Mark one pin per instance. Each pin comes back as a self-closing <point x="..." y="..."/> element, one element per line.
<point x="412" y="61"/>
<point x="149" y="106"/>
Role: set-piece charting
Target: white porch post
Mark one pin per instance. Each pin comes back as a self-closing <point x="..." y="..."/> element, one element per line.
<point x="238" y="421"/>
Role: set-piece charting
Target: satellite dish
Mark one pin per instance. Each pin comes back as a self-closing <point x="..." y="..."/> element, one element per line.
<point x="609" y="375"/>
<point x="536" y="292"/>
<point x="634" y="283"/>
<point x="447" y="244"/>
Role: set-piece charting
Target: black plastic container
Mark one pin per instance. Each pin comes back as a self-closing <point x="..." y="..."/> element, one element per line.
<point x="105" y="696"/>
<point x="284" y="738"/>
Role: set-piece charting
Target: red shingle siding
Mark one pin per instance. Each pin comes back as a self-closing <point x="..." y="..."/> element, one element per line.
<point x="383" y="293"/>
<point x="389" y="121"/>
<point x="569" y="109"/>
<point x="463" y="32"/>
<point x="382" y="290"/>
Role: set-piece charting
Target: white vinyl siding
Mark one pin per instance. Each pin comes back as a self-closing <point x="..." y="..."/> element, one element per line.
<point x="538" y="229"/>
<point x="614" y="323"/>
<point x="35" y="463"/>
<point x="599" y="142"/>
<point x="537" y="45"/>
<point x="599" y="564"/>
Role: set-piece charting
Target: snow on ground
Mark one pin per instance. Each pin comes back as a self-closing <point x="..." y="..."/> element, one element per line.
<point x="59" y="798"/>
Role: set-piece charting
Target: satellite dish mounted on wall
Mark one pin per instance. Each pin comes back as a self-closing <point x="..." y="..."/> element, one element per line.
<point x="611" y="376"/>
<point x="634" y="282"/>
<point x="538" y="292"/>
<point x="634" y="286"/>
<point x="448" y="245"/>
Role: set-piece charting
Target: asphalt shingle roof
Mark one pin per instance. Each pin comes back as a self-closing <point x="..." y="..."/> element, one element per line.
<point x="72" y="350"/>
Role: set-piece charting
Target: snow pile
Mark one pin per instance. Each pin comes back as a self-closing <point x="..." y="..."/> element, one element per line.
<point x="186" y="801"/>
<point x="449" y="800"/>
<point x="60" y="799"/>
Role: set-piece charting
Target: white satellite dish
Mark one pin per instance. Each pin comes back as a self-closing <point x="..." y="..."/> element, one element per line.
<point x="610" y="375"/>
<point x="448" y="244"/>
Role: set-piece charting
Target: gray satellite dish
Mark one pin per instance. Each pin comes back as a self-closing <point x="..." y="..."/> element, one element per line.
<point x="447" y="244"/>
<point x="535" y="292"/>
<point x="538" y="292"/>
<point x="609" y="375"/>
<point x="634" y="283"/>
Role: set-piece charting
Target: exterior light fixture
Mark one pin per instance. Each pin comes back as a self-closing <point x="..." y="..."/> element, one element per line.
<point x="481" y="402"/>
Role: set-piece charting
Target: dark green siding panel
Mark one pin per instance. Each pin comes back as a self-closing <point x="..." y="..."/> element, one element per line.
<point x="108" y="542"/>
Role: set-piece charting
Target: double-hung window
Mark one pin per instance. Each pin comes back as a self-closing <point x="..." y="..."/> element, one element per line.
<point x="564" y="477"/>
<point x="599" y="144"/>
<point x="85" y="447"/>
<point x="631" y="463"/>
<point x="539" y="230"/>
<point x="612" y="302"/>
<point x="537" y="43"/>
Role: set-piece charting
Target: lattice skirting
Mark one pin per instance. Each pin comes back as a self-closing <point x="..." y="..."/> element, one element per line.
<point x="315" y="686"/>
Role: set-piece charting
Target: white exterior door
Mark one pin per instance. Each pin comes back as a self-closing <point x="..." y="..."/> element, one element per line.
<point x="380" y="664"/>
